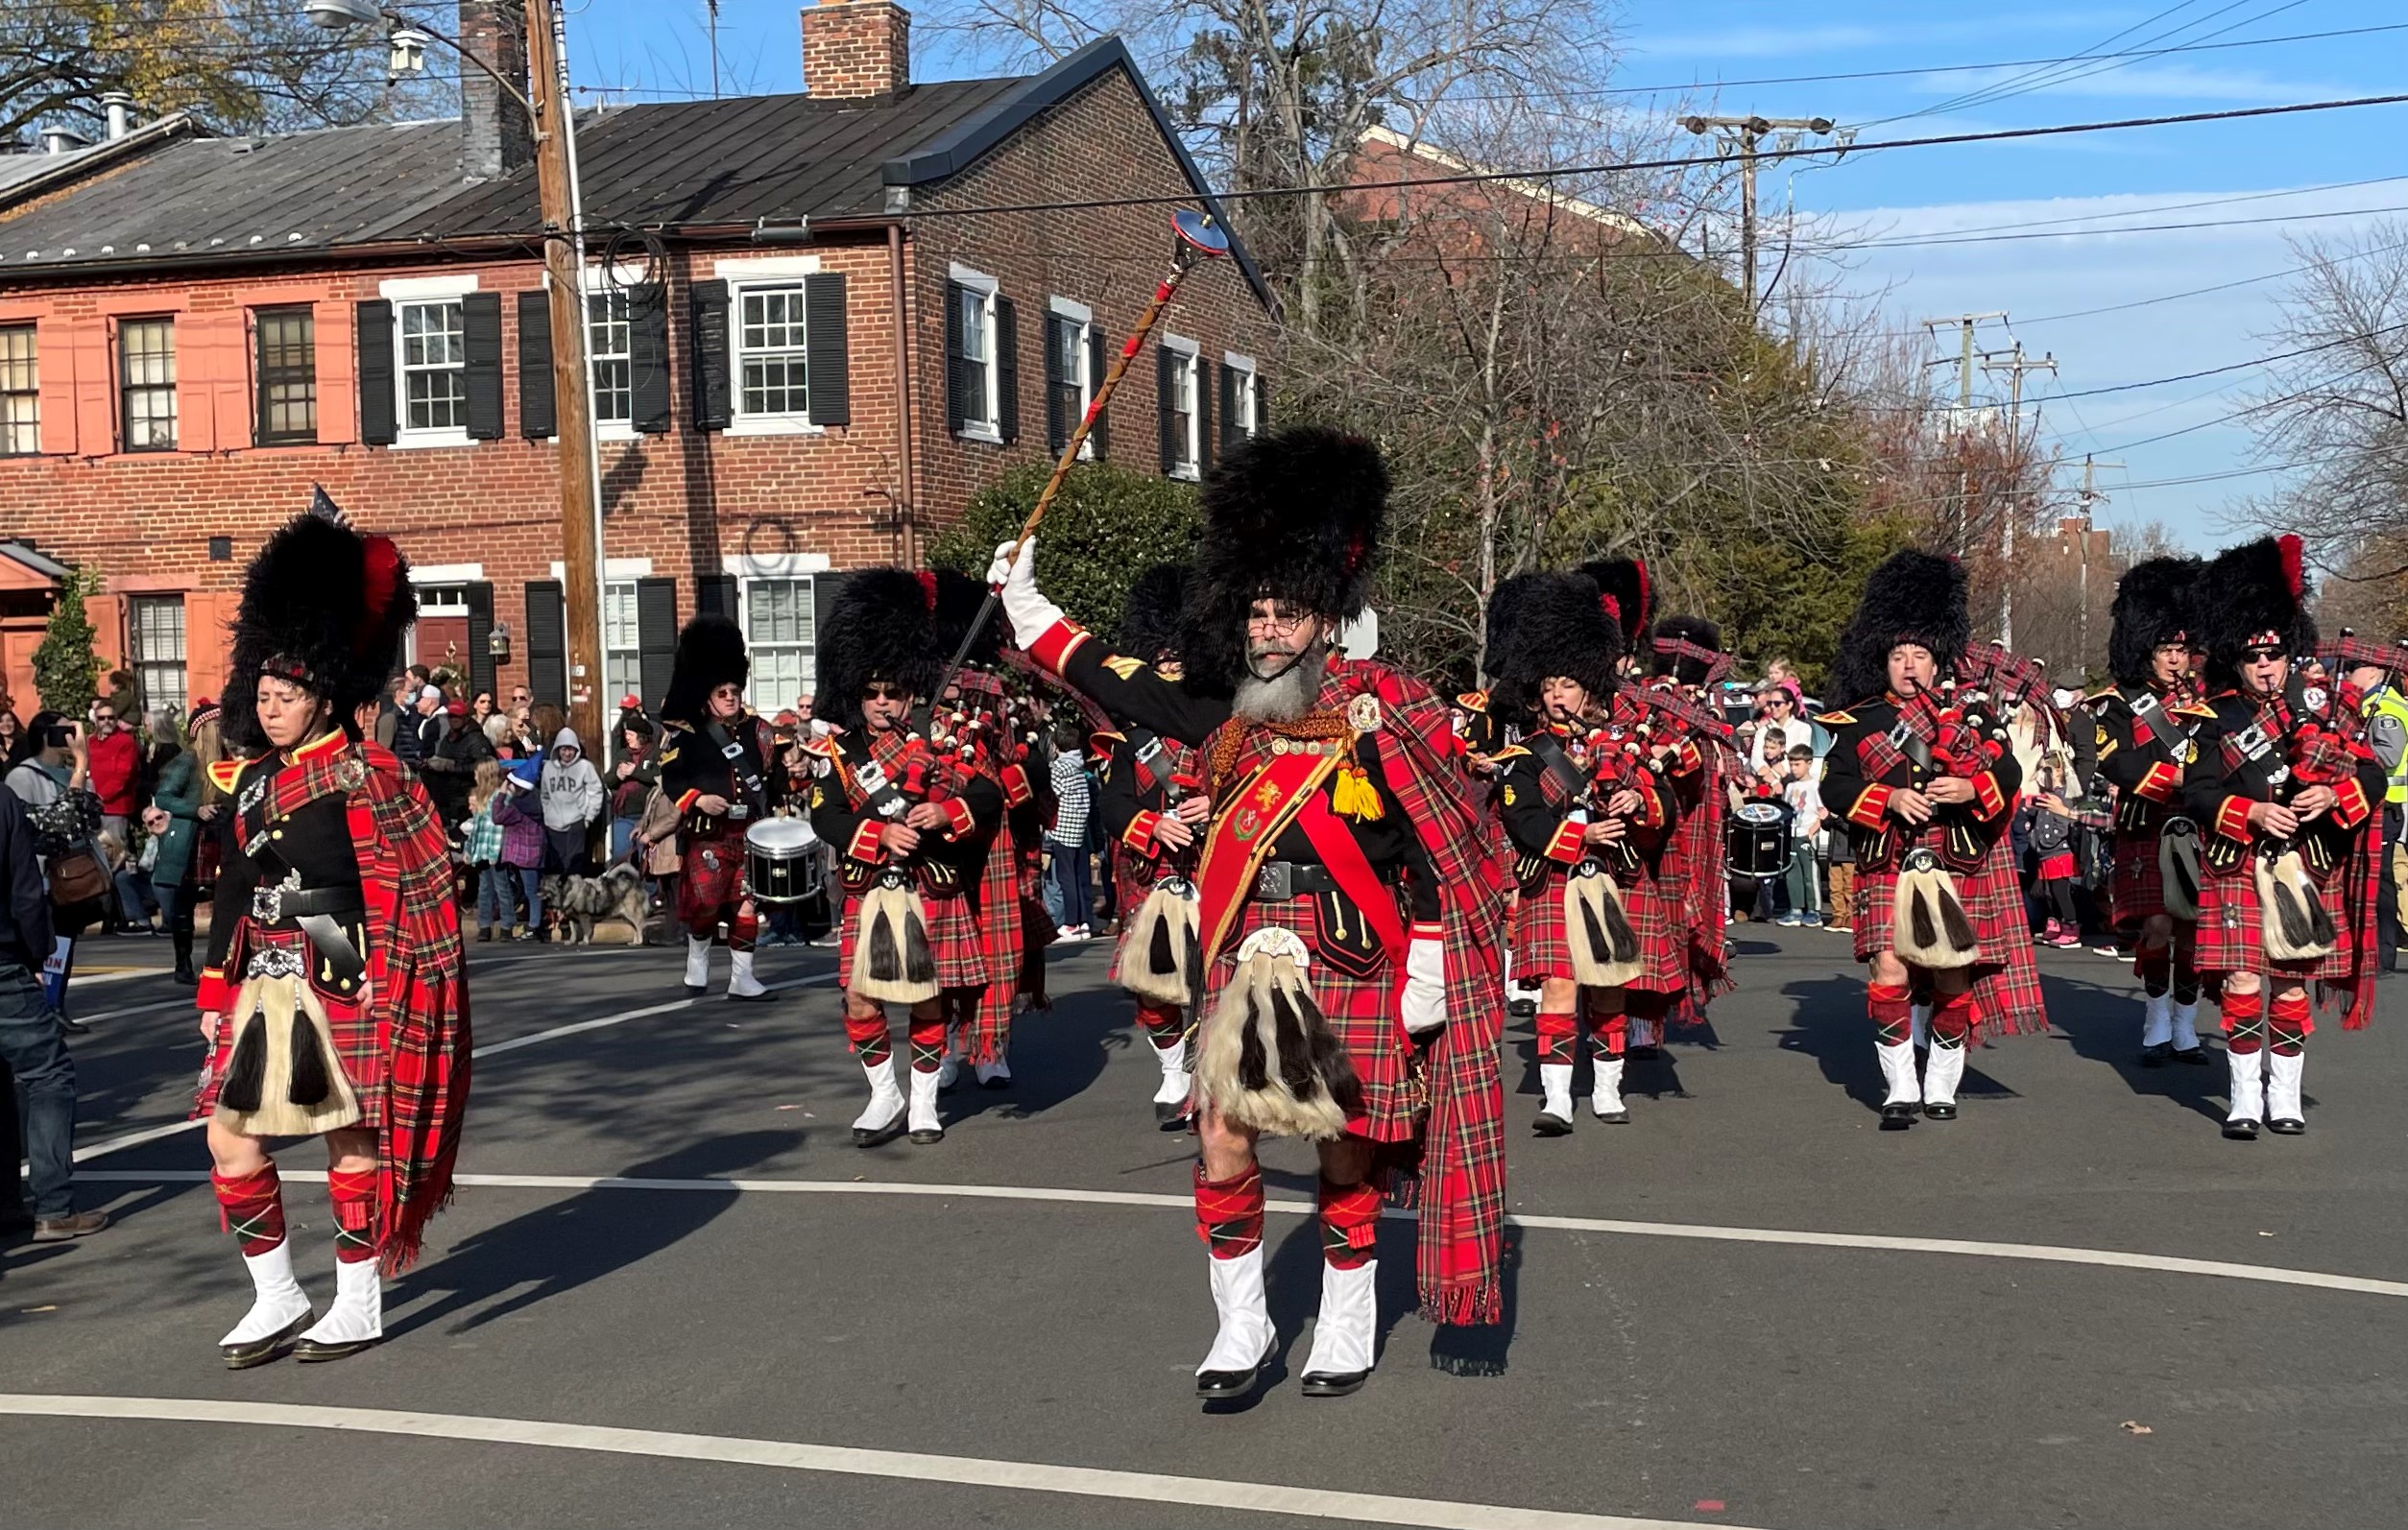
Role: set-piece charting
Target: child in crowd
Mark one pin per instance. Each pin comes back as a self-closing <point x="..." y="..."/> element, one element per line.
<point x="2051" y="834"/>
<point x="1804" y="796"/>
<point x="481" y="850"/>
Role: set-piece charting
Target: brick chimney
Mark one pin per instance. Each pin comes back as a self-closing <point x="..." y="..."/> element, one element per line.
<point x="856" y="48"/>
<point x="496" y="138"/>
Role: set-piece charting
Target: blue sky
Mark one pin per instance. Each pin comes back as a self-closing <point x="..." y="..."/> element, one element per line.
<point x="658" y="46"/>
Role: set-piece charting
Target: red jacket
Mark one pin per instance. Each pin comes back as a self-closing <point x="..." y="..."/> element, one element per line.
<point x="116" y="766"/>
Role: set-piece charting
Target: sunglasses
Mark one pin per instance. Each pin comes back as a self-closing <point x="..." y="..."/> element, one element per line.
<point x="883" y="693"/>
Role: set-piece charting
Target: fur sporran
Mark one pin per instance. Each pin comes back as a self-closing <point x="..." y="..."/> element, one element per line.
<point x="892" y="962"/>
<point x="1161" y="953"/>
<point x="1605" y="951"/>
<point x="1928" y="926"/>
<point x="284" y="1077"/>
<point x="1270" y="1060"/>
<point x="2177" y="867"/>
<point x="2293" y="924"/>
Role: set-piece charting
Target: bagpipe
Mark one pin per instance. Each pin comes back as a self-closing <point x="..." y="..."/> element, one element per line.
<point x="1613" y="758"/>
<point x="2297" y="919"/>
<point x="1947" y="731"/>
<point x="896" y="962"/>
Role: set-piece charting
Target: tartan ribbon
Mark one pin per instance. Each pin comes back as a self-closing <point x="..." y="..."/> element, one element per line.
<point x="1717" y="664"/>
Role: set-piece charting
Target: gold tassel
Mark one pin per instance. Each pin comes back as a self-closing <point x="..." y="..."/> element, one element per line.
<point x="1352" y="796"/>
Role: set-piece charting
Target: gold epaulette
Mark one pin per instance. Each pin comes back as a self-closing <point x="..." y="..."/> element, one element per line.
<point x="1834" y="719"/>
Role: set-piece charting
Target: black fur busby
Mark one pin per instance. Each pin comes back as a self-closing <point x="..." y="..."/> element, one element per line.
<point x="1293" y="517"/>
<point x="1913" y="597"/>
<point x="1687" y="668"/>
<point x="1624" y="581"/>
<point x="881" y="626"/>
<point x="2248" y="592"/>
<point x="2155" y="605"/>
<point x="1542" y="625"/>
<point x="709" y="653"/>
<point x="325" y="607"/>
<point x="1153" y="616"/>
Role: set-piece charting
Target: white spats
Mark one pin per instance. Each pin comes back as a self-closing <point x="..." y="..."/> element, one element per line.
<point x="2282" y="1089"/>
<point x="1174" y="1086"/>
<point x="1554" y="1088"/>
<point x="993" y="1075"/>
<point x="1941" y="1073"/>
<point x="2249" y="1086"/>
<point x="697" y="962"/>
<point x="277" y="1301"/>
<point x="741" y="983"/>
<point x="2183" y="1026"/>
<point x="1605" y="1092"/>
<point x="1897" y="1074"/>
<point x="886" y="1101"/>
<point x="1343" y="1335"/>
<point x="1245" y="1334"/>
<point x="2156" y="1020"/>
<point x="925" y="1124"/>
<point x="949" y="1071"/>
<point x="358" y="1312"/>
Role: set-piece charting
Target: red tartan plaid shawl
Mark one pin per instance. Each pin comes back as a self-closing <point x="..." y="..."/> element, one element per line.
<point x="1461" y="1191"/>
<point x="419" y="989"/>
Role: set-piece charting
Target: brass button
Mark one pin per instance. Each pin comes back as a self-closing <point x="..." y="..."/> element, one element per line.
<point x="276" y="833"/>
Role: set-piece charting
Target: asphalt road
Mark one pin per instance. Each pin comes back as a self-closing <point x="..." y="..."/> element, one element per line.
<point x="858" y="1338"/>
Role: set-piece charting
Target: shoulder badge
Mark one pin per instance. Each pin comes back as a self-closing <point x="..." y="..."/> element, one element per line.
<point x="1363" y="714"/>
<point x="1508" y="796"/>
<point x="1836" y="719"/>
<point x="1124" y="666"/>
<point x="351" y="772"/>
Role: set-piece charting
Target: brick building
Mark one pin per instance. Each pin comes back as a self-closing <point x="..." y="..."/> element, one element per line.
<point x="809" y="348"/>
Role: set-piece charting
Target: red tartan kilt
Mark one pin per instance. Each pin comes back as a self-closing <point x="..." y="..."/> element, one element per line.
<point x="354" y="1031"/>
<point x="710" y="881"/>
<point x="2135" y="883"/>
<point x="2232" y="937"/>
<point x="2006" y="993"/>
<point x="1658" y="916"/>
<point x="1361" y="1011"/>
<point x="955" y="939"/>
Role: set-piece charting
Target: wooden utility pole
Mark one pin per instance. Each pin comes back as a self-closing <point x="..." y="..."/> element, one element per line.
<point x="2091" y="496"/>
<point x="1965" y="325"/>
<point x="2014" y="366"/>
<point x="564" y="263"/>
<point x="1744" y="133"/>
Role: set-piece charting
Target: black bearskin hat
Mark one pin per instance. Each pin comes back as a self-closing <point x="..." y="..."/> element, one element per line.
<point x="1153" y="616"/>
<point x="709" y="653"/>
<point x="1697" y="632"/>
<point x="958" y="599"/>
<point x="1293" y="517"/>
<point x="1542" y="625"/>
<point x="2249" y="591"/>
<point x="1913" y="597"/>
<point x="881" y="626"/>
<point x="323" y="606"/>
<point x="1626" y="581"/>
<point x="2155" y="605"/>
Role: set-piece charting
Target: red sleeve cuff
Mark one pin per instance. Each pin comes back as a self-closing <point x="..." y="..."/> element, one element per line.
<point x="1140" y="834"/>
<point x="2233" y="819"/>
<point x="1870" y="804"/>
<point x="1053" y="648"/>
<point x="2159" y="783"/>
<point x="1987" y="795"/>
<point x="865" y="846"/>
<point x="957" y="817"/>
<point x="1659" y="809"/>
<point x="2352" y="808"/>
<point x="1566" y="846"/>
<point x="1016" y="789"/>
<point x="215" y="992"/>
<point x="1688" y="759"/>
<point x="685" y="803"/>
<point x="1427" y="930"/>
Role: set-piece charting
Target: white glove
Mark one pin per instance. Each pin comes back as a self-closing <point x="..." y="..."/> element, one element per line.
<point x="1029" y="612"/>
<point x="1424" y="1006"/>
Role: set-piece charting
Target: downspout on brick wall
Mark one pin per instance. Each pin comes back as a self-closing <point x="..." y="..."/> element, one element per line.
<point x="904" y="553"/>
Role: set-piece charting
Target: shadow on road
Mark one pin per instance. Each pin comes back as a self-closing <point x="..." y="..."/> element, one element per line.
<point x="2102" y="1022"/>
<point x="1834" y="1030"/>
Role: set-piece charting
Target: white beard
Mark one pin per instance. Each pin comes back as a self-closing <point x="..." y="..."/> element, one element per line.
<point x="1288" y="695"/>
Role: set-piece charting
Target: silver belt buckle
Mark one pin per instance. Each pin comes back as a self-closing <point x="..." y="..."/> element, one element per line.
<point x="1275" y="881"/>
<point x="267" y="903"/>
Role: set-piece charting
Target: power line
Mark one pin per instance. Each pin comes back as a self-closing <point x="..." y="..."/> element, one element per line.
<point x="2222" y="286"/>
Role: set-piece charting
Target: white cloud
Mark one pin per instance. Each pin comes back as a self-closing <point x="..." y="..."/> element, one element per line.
<point x="2153" y="82"/>
<point x="1782" y="42"/>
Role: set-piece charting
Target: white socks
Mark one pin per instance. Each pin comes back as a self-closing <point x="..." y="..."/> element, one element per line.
<point x="886" y="1101"/>
<point x="1554" y="1086"/>
<point x="2156" y="1020"/>
<point x="1246" y="1335"/>
<point x="741" y="983"/>
<point x="278" y="1299"/>
<point x="358" y="1312"/>
<point x="1348" y="1327"/>
<point x="697" y="962"/>
<point x="1897" y="1071"/>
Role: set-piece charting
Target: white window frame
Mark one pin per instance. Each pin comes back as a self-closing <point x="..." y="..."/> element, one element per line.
<point x="632" y="654"/>
<point x="31" y="393"/>
<point x="766" y="656"/>
<point x="145" y="663"/>
<point x="990" y="429"/>
<point x="1249" y="393"/>
<point x="403" y="433"/>
<point x="598" y="284"/>
<point x="440" y="599"/>
<point x="740" y="423"/>
<point x="1192" y="469"/>
<point x="1082" y="319"/>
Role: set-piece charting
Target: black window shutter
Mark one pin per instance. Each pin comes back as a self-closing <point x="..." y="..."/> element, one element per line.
<point x="1057" y="426"/>
<point x="547" y="643"/>
<point x="824" y="589"/>
<point x="1204" y="412"/>
<point x="827" y="350"/>
<point x="1162" y="405"/>
<point x="715" y="595"/>
<point x="480" y="594"/>
<point x="1230" y="435"/>
<point x="1007" y="368"/>
<point x="648" y="356"/>
<point x="708" y="306"/>
<point x="481" y="332"/>
<point x="656" y="637"/>
<point x="1101" y="434"/>
<point x="373" y="321"/>
<point x="537" y="416"/>
<point x="956" y="365"/>
<point x="1262" y="405"/>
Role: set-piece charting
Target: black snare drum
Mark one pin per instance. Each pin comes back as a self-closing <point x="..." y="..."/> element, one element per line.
<point x="1757" y="841"/>
<point x="781" y="860"/>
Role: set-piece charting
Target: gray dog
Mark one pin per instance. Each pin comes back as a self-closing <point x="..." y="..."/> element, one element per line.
<point x="580" y="901"/>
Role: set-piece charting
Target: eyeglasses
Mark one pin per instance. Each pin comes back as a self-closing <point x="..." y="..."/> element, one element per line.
<point x="1277" y="626"/>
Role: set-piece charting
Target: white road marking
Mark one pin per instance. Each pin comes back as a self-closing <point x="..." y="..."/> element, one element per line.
<point x="183" y="1002"/>
<point x="2041" y="1253"/>
<point x="153" y="1133"/>
<point x="971" y="1472"/>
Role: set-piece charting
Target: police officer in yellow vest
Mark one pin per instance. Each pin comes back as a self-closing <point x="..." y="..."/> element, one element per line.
<point x="2379" y="677"/>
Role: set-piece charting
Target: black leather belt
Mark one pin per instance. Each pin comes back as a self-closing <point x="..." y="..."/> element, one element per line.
<point x="287" y="905"/>
<point x="1276" y="880"/>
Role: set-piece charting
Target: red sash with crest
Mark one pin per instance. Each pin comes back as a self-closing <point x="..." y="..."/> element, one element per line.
<point x="1241" y="838"/>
